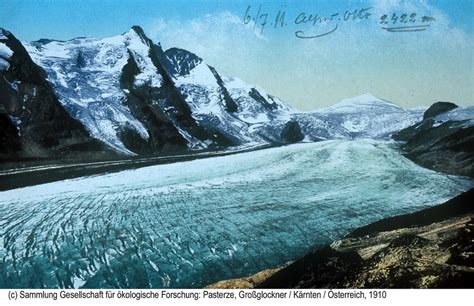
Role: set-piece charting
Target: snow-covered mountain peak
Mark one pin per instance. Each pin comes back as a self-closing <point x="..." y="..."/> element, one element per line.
<point x="363" y="116"/>
<point x="86" y="74"/>
<point x="137" y="30"/>
<point x="364" y="102"/>
<point x="363" y="98"/>
<point x="134" y="39"/>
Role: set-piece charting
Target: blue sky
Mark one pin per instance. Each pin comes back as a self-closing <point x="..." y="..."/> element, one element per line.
<point x="408" y="68"/>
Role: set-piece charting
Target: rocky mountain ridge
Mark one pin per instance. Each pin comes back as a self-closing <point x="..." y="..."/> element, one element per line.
<point x="130" y="97"/>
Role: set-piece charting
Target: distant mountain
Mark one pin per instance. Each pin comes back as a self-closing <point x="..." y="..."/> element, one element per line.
<point x="361" y="116"/>
<point x="366" y="103"/>
<point x="232" y="107"/>
<point x="443" y="141"/>
<point x="127" y="94"/>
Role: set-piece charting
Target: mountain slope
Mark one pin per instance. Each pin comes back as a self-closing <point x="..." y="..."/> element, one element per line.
<point x="34" y="123"/>
<point x="443" y="141"/>
<point x="228" y="105"/>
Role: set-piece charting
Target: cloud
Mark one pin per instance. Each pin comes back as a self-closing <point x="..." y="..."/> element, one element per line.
<point x="442" y="33"/>
<point x="407" y="68"/>
<point x="206" y="35"/>
<point x="221" y="39"/>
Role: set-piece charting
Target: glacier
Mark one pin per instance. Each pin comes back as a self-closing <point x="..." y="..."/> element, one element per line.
<point x="189" y="224"/>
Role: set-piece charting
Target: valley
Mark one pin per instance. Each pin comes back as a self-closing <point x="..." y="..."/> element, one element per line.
<point x="125" y="165"/>
<point x="223" y="217"/>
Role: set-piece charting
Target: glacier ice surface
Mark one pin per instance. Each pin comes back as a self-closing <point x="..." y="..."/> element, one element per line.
<point x="192" y="223"/>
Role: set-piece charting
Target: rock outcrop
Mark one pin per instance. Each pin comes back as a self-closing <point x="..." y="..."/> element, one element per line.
<point x="249" y="282"/>
<point x="438" y="108"/>
<point x="443" y="141"/>
<point x="292" y="132"/>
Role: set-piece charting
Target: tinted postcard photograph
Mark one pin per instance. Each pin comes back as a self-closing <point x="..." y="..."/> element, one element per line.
<point x="218" y="145"/>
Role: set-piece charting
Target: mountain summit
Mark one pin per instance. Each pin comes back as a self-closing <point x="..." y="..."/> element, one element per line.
<point x="365" y="102"/>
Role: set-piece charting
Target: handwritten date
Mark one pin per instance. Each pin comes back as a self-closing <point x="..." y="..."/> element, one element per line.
<point x="313" y="25"/>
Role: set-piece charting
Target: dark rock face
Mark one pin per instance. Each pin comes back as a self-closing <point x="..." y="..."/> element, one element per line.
<point x="292" y="132"/>
<point x="230" y="104"/>
<point x="324" y="268"/>
<point x="438" y="108"/>
<point x="44" y="128"/>
<point x="182" y="61"/>
<point x="447" y="147"/>
<point x="10" y="143"/>
<point x="159" y="127"/>
<point x="259" y="98"/>
<point x="9" y="100"/>
<point x="430" y="252"/>
<point x="452" y="208"/>
<point x="409" y="132"/>
<point x="150" y="104"/>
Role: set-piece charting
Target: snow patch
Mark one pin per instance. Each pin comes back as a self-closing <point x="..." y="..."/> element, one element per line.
<point x="355" y="125"/>
<point x="5" y="51"/>
<point x="55" y="49"/>
<point x="200" y="75"/>
<point x="458" y="114"/>
<point x="5" y="54"/>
